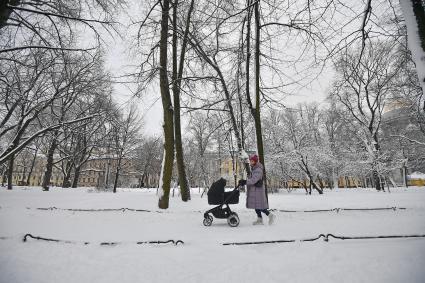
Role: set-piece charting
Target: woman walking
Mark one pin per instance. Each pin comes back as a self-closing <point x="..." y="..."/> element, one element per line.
<point x="256" y="193"/>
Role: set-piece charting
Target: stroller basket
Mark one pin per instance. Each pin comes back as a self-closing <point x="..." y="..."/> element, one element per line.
<point x="225" y="198"/>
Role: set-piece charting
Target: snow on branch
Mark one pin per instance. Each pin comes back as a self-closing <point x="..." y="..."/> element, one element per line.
<point x="5" y="155"/>
<point x="409" y="139"/>
<point x="44" y="47"/>
<point x="414" y="40"/>
<point x="47" y="14"/>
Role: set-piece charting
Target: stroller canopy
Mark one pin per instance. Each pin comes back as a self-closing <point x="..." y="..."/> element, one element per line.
<point x="217" y="188"/>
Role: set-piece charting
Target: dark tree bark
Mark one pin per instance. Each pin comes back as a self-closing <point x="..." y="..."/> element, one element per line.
<point x="81" y="157"/>
<point x="10" y="172"/>
<point x="167" y="109"/>
<point x="67" y="165"/>
<point x="4" y="175"/>
<point x="5" y="12"/>
<point x="67" y="177"/>
<point x="177" y="77"/>
<point x="257" y="112"/>
<point x="375" y="173"/>
<point x="49" y="164"/>
<point x="77" y="172"/>
<point x="117" y="174"/>
<point x="27" y="182"/>
<point x="419" y="11"/>
<point x="121" y="146"/>
<point x="306" y="170"/>
<point x="248" y="54"/>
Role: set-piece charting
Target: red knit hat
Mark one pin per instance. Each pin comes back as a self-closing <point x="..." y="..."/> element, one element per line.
<point x="254" y="157"/>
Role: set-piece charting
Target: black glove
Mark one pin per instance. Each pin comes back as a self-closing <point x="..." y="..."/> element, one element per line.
<point x="241" y="183"/>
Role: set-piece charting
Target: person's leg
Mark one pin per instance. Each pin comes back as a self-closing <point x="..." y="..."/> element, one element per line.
<point x="271" y="216"/>
<point x="259" y="220"/>
<point x="258" y="211"/>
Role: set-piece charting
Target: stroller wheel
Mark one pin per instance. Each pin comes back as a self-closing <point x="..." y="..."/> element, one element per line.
<point x="208" y="220"/>
<point x="233" y="220"/>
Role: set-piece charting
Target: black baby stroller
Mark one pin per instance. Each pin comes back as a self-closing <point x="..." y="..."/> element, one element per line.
<point x="217" y="196"/>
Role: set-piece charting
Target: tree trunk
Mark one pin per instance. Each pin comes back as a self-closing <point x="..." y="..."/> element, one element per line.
<point x="80" y="163"/>
<point x="142" y="181"/>
<point x="5" y="12"/>
<point x="177" y="77"/>
<point x="377" y="180"/>
<point x="310" y="177"/>
<point x="4" y="175"/>
<point x="49" y="165"/>
<point x="305" y="186"/>
<point x="419" y="11"/>
<point x="414" y="15"/>
<point x="77" y="173"/>
<point x="375" y="173"/>
<point x="66" y="181"/>
<point x="10" y="172"/>
<point x="107" y="172"/>
<point x="117" y="173"/>
<point x="27" y="182"/>
<point x="335" y="179"/>
<point x="405" y="180"/>
<point x="67" y="176"/>
<point x="248" y="53"/>
<point x="321" y="184"/>
<point x="167" y="109"/>
<point x="257" y="113"/>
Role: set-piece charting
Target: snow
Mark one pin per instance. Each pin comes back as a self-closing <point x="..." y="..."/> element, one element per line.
<point x="243" y="156"/>
<point x="202" y="257"/>
<point x="161" y="176"/>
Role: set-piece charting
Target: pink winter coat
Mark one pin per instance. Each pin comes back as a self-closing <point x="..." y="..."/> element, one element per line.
<point x="256" y="194"/>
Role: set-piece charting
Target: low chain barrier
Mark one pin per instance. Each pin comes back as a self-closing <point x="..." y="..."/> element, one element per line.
<point x="337" y="210"/>
<point x="326" y="239"/>
<point x="124" y="209"/>
<point x="27" y="236"/>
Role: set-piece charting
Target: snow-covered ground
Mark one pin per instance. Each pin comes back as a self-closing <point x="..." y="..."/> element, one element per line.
<point x="202" y="257"/>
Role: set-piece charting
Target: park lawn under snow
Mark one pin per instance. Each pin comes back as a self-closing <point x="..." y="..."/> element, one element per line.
<point x="202" y="257"/>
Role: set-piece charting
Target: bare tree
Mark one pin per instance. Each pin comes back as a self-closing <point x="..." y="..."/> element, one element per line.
<point x="177" y="77"/>
<point x="149" y="159"/>
<point x="167" y="106"/>
<point x="48" y="23"/>
<point x="126" y="139"/>
<point x="362" y="88"/>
